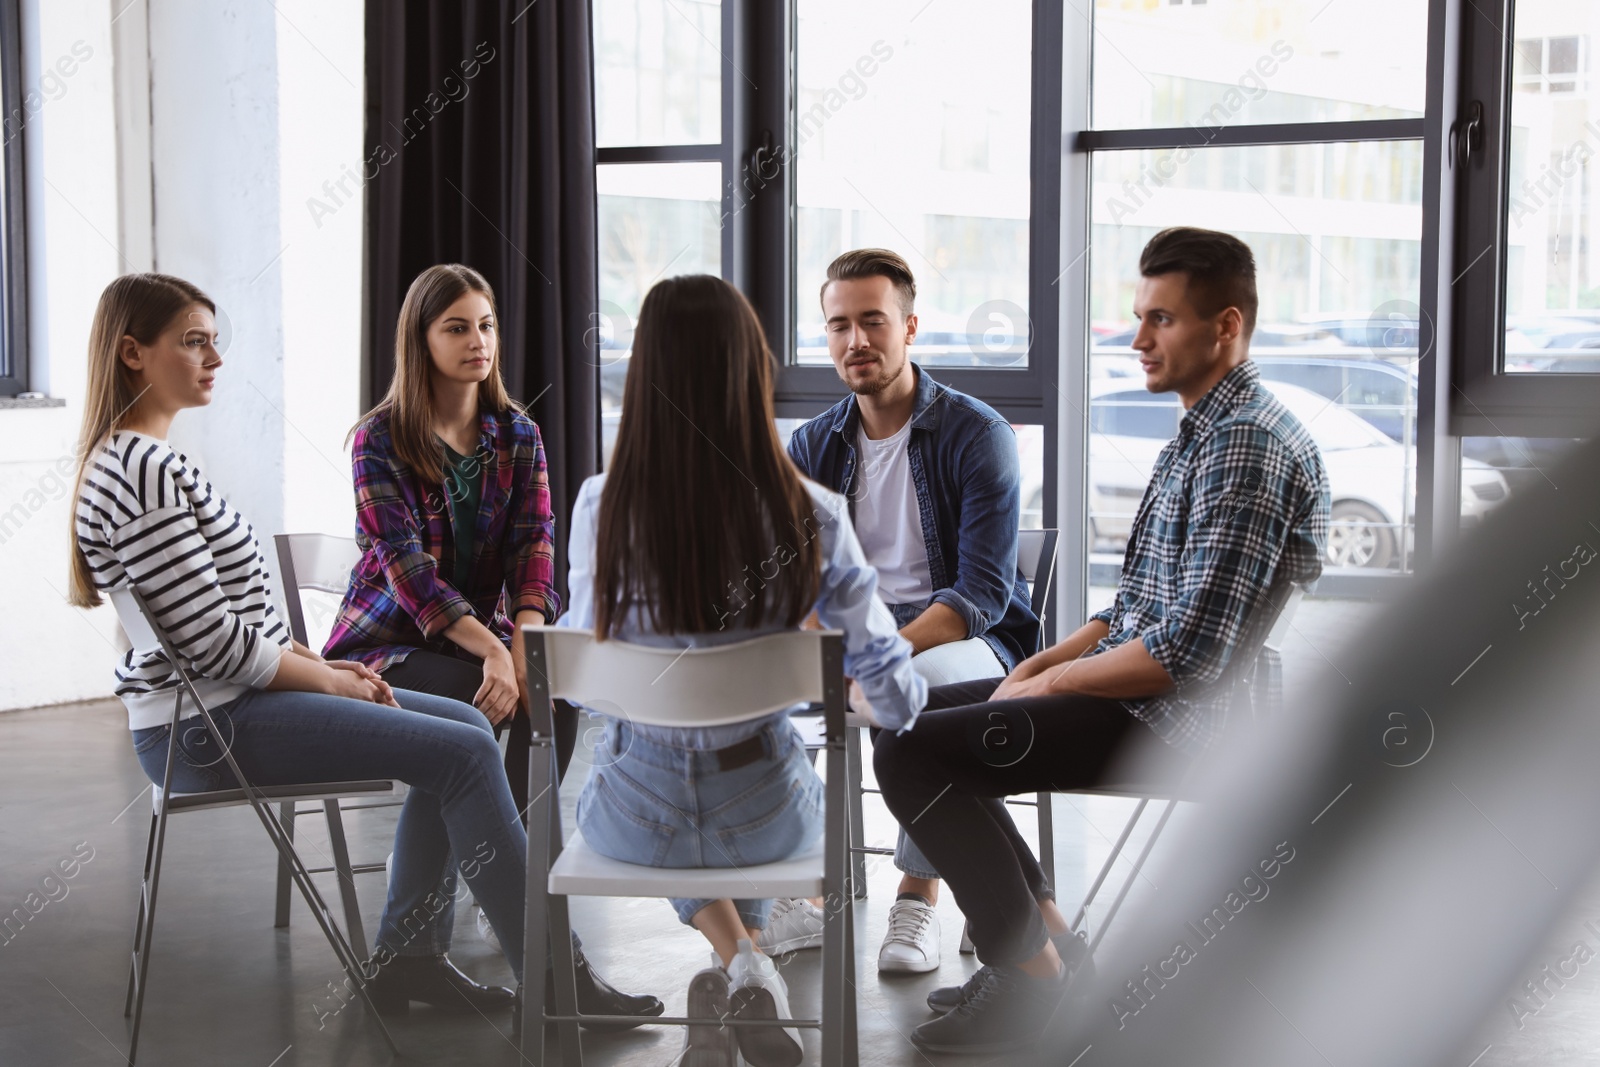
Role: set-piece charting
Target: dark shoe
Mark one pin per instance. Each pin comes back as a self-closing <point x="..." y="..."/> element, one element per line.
<point x="1073" y="950"/>
<point x="431" y="980"/>
<point x="596" y="997"/>
<point x="710" y="1044"/>
<point x="945" y="998"/>
<point x="1008" y="1011"/>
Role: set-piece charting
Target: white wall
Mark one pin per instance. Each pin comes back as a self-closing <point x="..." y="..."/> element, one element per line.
<point x="214" y="152"/>
<point x="51" y="652"/>
<point x="251" y="108"/>
<point x="320" y="120"/>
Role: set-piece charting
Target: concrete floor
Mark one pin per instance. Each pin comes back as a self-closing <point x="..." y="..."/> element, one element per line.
<point x="228" y="989"/>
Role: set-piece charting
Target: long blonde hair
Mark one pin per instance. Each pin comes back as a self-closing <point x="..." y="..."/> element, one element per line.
<point x="140" y="306"/>
<point x="409" y="401"/>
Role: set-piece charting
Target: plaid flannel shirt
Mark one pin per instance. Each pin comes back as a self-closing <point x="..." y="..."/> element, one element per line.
<point x="399" y="599"/>
<point x="1238" y="504"/>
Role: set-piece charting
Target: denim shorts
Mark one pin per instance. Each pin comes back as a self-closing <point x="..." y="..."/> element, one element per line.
<point x="657" y="804"/>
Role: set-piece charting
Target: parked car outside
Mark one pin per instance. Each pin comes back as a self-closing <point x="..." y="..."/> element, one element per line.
<point x="1371" y="477"/>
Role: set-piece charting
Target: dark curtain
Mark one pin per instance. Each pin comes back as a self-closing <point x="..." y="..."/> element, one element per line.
<point x="480" y="150"/>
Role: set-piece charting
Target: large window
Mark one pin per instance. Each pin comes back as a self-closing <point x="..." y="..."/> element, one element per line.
<point x="912" y="133"/>
<point x="1430" y="302"/>
<point x="658" y="122"/>
<point x="1255" y="125"/>
<point x="905" y="125"/>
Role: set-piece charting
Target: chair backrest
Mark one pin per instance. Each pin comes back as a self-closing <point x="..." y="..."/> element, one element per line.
<point x="140" y="633"/>
<point x="683" y="687"/>
<point x="316" y="561"/>
<point x="1283" y="623"/>
<point x="1036" y="559"/>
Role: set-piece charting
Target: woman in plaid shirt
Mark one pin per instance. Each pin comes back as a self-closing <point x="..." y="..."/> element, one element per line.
<point x="454" y="524"/>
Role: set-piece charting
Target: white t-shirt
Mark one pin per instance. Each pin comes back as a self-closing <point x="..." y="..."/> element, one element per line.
<point x="887" y="521"/>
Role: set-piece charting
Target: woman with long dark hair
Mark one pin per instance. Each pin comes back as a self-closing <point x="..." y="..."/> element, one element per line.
<point x="702" y="532"/>
<point x="454" y="526"/>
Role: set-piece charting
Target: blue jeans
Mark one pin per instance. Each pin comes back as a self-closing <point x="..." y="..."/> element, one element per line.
<point x="458" y="816"/>
<point x="661" y="805"/>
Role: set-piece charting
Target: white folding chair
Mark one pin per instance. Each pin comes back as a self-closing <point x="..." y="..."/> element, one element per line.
<point x="322" y="563"/>
<point x="1267" y="637"/>
<point x="669" y="687"/>
<point x="138" y="622"/>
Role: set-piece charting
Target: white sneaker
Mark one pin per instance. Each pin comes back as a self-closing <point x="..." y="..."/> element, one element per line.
<point x="795" y="923"/>
<point x="759" y="992"/>
<point x="710" y="1044"/>
<point x="486" y="931"/>
<point x="911" y="945"/>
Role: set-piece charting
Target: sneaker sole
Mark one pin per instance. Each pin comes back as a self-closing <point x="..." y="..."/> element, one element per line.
<point x="766" y="1046"/>
<point x="708" y="1046"/>
<point x="906" y="966"/>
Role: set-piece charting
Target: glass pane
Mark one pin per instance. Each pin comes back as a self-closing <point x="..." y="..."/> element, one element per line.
<point x="913" y="134"/>
<point x="1336" y="231"/>
<point x="658" y="72"/>
<point x="1552" y="309"/>
<point x="657" y="220"/>
<point x="1495" y="469"/>
<point x="1256" y="61"/>
<point x="1030" y="453"/>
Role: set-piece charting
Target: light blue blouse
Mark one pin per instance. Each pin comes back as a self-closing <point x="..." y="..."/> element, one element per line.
<point x="875" y="655"/>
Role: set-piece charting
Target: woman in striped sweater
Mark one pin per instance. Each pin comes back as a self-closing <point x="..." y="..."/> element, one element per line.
<point x="146" y="516"/>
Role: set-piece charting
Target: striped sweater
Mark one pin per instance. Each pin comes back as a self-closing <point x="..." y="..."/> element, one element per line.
<point x="146" y="515"/>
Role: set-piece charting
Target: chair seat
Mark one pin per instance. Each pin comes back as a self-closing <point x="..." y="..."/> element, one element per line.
<point x="223" y="798"/>
<point x="581" y="871"/>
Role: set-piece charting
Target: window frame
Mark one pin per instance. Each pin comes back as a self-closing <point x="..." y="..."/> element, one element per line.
<point x="1485" y="400"/>
<point x="14" y="370"/>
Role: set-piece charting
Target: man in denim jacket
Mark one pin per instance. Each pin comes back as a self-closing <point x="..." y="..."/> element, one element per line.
<point x="933" y="484"/>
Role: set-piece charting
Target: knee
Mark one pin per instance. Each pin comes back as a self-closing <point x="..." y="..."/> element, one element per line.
<point x="484" y="751"/>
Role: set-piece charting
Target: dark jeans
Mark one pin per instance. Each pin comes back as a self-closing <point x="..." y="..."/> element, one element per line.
<point x="459" y="679"/>
<point x="945" y="779"/>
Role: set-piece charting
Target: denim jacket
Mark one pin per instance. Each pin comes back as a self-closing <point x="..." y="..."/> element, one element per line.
<point x="963" y="458"/>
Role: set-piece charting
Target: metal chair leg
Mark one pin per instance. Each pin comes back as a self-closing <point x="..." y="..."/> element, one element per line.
<point x="319" y="908"/>
<point x="853" y="796"/>
<point x="566" y="979"/>
<point x="354" y="933"/>
<point x="138" y="921"/>
<point x="1138" y="865"/>
<point x="1047" y="838"/>
<point x="147" y="910"/>
<point x="1105" y="868"/>
<point x="848" y="992"/>
<point x="280" y="919"/>
<point x="543" y="845"/>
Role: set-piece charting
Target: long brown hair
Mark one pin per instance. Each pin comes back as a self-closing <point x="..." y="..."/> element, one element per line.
<point x="704" y="517"/>
<point x="409" y="402"/>
<point x="141" y="306"/>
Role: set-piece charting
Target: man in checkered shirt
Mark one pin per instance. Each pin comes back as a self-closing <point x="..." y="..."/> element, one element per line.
<point x="1236" y="510"/>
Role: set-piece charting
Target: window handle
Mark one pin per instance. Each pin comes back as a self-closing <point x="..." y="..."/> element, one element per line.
<point x="1466" y="134"/>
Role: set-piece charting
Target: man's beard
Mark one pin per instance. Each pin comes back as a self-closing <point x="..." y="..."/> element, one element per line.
<point x="874" y="386"/>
